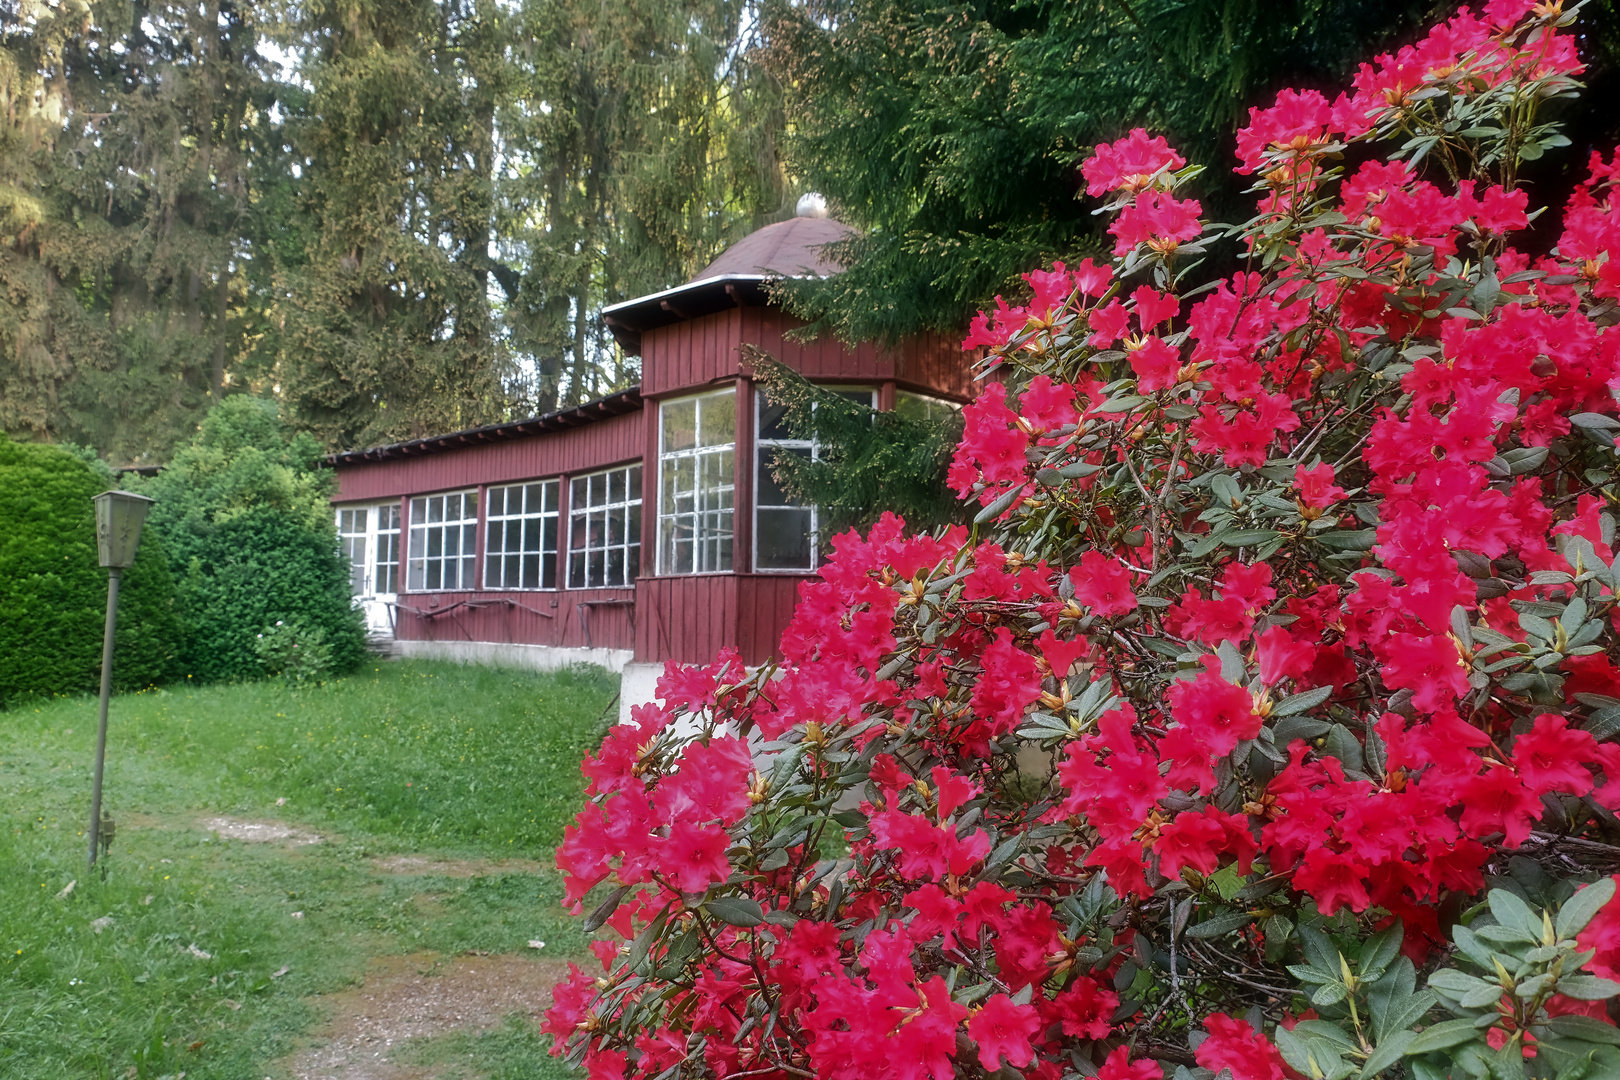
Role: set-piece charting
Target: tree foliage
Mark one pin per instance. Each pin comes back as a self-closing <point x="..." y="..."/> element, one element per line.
<point x="869" y="462"/>
<point x="126" y="216"/>
<point x="950" y="132"/>
<point x="1263" y="722"/>
<point x="396" y="218"/>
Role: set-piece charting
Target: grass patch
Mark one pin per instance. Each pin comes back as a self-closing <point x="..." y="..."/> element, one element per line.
<point x="513" y="1051"/>
<point x="435" y="759"/>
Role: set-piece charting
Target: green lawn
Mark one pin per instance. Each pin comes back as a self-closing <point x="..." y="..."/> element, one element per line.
<point x="434" y="760"/>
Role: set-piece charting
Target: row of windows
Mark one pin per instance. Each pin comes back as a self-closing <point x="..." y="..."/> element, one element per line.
<point x="520" y="545"/>
<point x="695" y="507"/>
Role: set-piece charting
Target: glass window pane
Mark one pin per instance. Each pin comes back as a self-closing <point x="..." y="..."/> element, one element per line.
<point x="635" y="483"/>
<point x="576" y="570"/>
<point x="616" y="486"/>
<point x="577" y="495"/>
<point x="717" y="419"/>
<point x="783" y="538"/>
<point x="770" y="420"/>
<point x="771" y="492"/>
<point x="680" y="425"/>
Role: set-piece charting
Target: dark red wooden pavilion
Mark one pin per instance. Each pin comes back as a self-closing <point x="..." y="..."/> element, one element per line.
<point x="641" y="527"/>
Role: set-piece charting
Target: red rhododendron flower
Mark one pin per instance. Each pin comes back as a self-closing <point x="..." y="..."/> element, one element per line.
<point x="1316" y="487"/>
<point x="1157" y="219"/>
<point x="1009" y="682"/>
<point x="1003" y="1030"/>
<point x="1103" y="584"/>
<point x="1430" y="667"/>
<point x="1086" y="1007"/>
<point x="1233" y="1044"/>
<point x="694" y="856"/>
<point x="1118" y="1066"/>
<point x="1128" y="164"/>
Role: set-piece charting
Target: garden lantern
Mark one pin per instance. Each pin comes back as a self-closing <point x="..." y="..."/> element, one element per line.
<point x="119" y="517"/>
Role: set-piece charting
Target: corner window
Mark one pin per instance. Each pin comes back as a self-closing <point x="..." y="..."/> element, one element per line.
<point x="520" y="537"/>
<point x="919" y="407"/>
<point x="697" y="443"/>
<point x="786" y="532"/>
<point x="443" y="531"/>
<point x="604" y="530"/>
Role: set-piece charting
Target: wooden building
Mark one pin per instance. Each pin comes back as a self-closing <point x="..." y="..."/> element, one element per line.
<point x="641" y="527"/>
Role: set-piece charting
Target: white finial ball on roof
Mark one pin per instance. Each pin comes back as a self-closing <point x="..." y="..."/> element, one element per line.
<point x="811" y="204"/>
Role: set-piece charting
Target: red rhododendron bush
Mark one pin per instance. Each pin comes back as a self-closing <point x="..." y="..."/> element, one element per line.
<point x="1260" y="723"/>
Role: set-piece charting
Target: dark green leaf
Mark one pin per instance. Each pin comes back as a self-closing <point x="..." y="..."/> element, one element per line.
<point x="1220" y="924"/>
<point x="1444" y="1036"/>
<point x="736" y="910"/>
<point x="1579" y="909"/>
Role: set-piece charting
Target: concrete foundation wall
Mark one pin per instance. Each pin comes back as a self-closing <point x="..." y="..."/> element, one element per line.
<point x="507" y="654"/>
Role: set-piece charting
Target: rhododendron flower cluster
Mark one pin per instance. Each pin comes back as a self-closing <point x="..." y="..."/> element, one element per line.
<point x="1273" y="684"/>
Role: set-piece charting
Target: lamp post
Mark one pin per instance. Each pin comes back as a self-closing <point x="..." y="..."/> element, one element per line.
<point x="119" y="517"/>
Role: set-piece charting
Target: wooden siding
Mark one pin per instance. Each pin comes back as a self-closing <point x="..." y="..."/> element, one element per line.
<point x="568" y="618"/>
<point x="690" y="619"/>
<point x="687" y="619"/>
<point x="765" y="604"/>
<point x="699" y="352"/>
<point x="612" y="441"/>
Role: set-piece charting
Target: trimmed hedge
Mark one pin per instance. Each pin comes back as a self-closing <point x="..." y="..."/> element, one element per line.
<point x="251" y="570"/>
<point x="53" y="592"/>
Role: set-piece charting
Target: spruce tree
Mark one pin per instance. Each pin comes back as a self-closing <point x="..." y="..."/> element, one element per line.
<point x="949" y="132"/>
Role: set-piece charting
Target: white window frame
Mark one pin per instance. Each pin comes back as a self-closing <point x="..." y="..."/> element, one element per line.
<point x="763" y="446"/>
<point x="373" y="533"/>
<point x="419" y="562"/>
<point x="498" y="529"/>
<point x="582" y="513"/>
<point x="712" y="553"/>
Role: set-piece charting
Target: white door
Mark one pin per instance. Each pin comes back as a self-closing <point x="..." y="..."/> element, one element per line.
<point x="370" y="538"/>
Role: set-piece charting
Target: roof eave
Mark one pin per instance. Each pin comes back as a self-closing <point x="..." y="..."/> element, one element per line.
<point x="603" y="408"/>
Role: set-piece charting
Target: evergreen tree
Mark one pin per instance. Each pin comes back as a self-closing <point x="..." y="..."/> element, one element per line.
<point x="412" y="227"/>
<point x="643" y="140"/>
<point x="950" y="131"/>
<point x="125" y="216"/>
<point x="385" y="326"/>
<point x="869" y="462"/>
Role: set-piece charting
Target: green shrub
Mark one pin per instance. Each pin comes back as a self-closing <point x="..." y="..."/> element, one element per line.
<point x="53" y="592"/>
<point x="244" y="511"/>
<point x="253" y="570"/>
<point x="296" y="653"/>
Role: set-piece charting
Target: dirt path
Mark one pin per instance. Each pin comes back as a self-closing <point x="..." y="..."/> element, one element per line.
<point x="418" y="996"/>
<point x="402" y="998"/>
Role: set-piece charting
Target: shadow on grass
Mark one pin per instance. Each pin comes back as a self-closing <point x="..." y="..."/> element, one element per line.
<point x="199" y="953"/>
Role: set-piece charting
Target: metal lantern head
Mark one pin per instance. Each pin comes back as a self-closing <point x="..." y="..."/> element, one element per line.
<point x="119" y="516"/>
